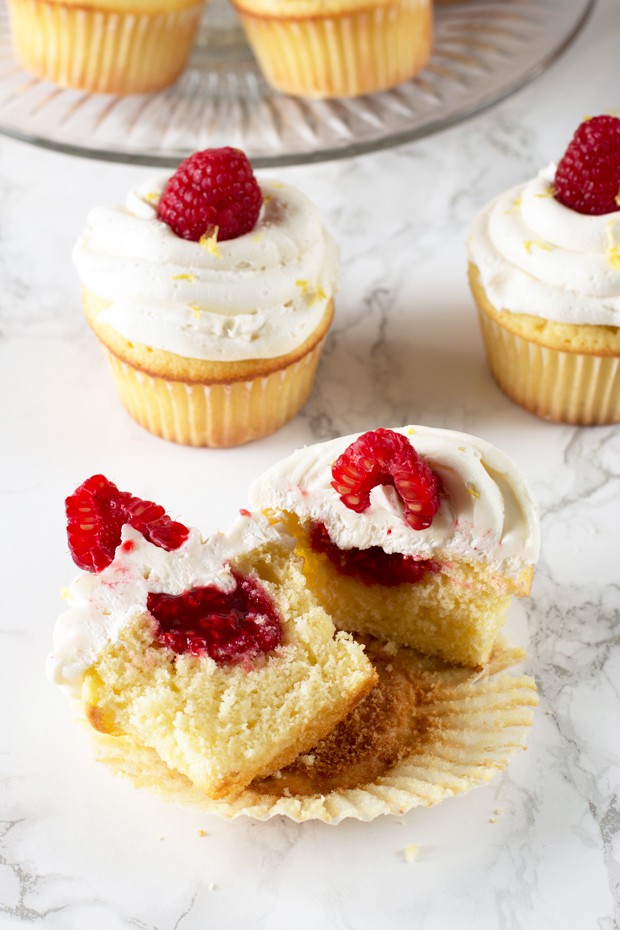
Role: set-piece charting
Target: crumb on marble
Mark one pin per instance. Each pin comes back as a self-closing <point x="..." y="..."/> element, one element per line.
<point x="202" y="832"/>
<point x="411" y="852"/>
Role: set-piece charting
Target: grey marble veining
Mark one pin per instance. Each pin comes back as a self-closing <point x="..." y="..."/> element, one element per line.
<point x="538" y="848"/>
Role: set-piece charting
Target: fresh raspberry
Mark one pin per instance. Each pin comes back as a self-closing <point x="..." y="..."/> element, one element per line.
<point x="386" y="457"/>
<point x="96" y="513"/>
<point x="231" y="627"/>
<point x="372" y="565"/>
<point x="588" y="176"/>
<point x="212" y="193"/>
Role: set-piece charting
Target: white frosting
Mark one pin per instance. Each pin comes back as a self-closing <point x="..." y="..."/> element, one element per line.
<point x="539" y="257"/>
<point x="103" y="603"/>
<point x="258" y="296"/>
<point x="486" y="510"/>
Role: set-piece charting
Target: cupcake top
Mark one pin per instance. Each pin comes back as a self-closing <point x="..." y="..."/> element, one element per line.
<point x="551" y="247"/>
<point x="258" y="295"/>
<point x="537" y="256"/>
<point x="484" y="509"/>
<point x="141" y="559"/>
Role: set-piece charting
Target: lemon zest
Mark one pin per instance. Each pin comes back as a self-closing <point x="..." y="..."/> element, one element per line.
<point x="612" y="253"/>
<point x="529" y="244"/>
<point x="209" y="242"/>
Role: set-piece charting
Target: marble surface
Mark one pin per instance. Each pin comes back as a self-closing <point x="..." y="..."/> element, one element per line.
<point x="80" y="849"/>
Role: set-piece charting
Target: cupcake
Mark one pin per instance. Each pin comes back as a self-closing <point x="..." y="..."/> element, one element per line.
<point x="417" y="536"/>
<point x="544" y="269"/>
<point x="337" y="48"/>
<point x="210" y="654"/>
<point x="206" y="671"/>
<point x="212" y="296"/>
<point x="107" y="46"/>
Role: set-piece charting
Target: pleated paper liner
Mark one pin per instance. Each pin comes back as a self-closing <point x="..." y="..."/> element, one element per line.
<point x="568" y="387"/>
<point x="105" y="50"/>
<point x="225" y="414"/>
<point x="428" y="731"/>
<point x="341" y="53"/>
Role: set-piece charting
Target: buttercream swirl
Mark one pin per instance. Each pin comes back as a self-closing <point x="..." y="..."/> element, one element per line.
<point x="486" y="509"/>
<point x="539" y="257"/>
<point x="258" y="296"/>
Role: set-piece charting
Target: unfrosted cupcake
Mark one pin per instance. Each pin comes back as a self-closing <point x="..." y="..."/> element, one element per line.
<point x="108" y="46"/>
<point x="212" y="296"/>
<point x="419" y="536"/>
<point x="545" y="273"/>
<point x="209" y="653"/>
<point x="337" y="48"/>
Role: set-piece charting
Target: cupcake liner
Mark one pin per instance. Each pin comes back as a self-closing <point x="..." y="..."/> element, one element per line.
<point x="568" y="387"/>
<point x="473" y="723"/>
<point x="102" y="50"/>
<point x="343" y="54"/>
<point x="221" y="414"/>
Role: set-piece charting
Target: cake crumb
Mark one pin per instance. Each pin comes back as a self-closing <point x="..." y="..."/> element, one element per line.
<point x="202" y="832"/>
<point x="498" y="811"/>
<point x="411" y="852"/>
<point x="160" y="838"/>
<point x="212" y="887"/>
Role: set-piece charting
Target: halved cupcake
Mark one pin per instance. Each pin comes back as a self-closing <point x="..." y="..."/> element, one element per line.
<point x="212" y="655"/>
<point x="416" y="535"/>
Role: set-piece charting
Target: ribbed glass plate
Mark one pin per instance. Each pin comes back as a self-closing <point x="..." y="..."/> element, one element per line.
<point x="483" y="51"/>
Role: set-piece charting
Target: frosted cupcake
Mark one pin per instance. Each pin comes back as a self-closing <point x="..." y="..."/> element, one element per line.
<point x="545" y="273"/>
<point x="108" y="46"/>
<point x="212" y="296"/>
<point x="417" y="536"/>
<point x="337" y="48"/>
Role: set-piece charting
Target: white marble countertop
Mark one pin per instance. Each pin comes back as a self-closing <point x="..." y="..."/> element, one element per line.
<point x="82" y="850"/>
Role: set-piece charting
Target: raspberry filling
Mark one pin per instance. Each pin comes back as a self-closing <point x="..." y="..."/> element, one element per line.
<point x="372" y="565"/>
<point x="229" y="626"/>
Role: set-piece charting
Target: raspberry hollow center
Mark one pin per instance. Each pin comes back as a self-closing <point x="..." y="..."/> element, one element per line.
<point x="372" y="565"/>
<point x="230" y="627"/>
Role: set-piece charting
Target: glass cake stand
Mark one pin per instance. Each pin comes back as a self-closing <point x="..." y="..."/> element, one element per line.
<point x="483" y="51"/>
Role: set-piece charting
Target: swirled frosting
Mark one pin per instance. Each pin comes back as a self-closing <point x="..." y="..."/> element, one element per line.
<point x="539" y="257"/>
<point x="104" y="603"/>
<point x="258" y="296"/>
<point x="486" y="510"/>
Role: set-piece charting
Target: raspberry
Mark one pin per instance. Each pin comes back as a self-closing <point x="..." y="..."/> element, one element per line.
<point x="96" y="513"/>
<point x="588" y="176"/>
<point x="212" y="193"/>
<point x="386" y="457"/>
<point x="372" y="565"/>
<point x="230" y="627"/>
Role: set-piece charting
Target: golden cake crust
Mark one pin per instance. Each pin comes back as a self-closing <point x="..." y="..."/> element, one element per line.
<point x="585" y="339"/>
<point x="161" y="364"/>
